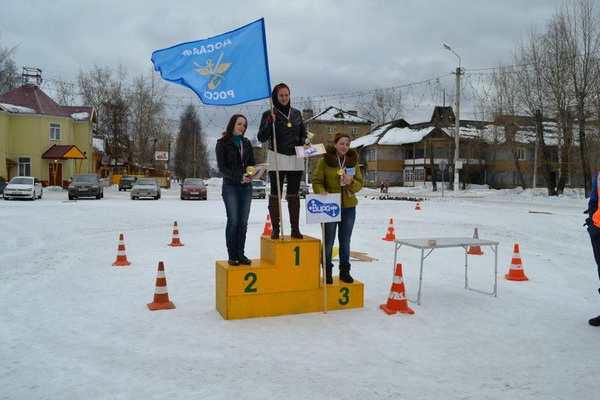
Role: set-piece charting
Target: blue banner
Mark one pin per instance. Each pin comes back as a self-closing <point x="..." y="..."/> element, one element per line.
<point x="228" y="69"/>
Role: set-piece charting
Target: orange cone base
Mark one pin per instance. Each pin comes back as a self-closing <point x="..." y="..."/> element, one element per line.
<point x="475" y="251"/>
<point x="389" y="239"/>
<point x="121" y="263"/>
<point x="391" y="311"/>
<point x="176" y="244"/>
<point x="154" y="306"/>
<point x="515" y="277"/>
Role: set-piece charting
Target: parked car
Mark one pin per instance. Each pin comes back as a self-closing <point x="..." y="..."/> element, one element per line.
<point x="3" y="183"/>
<point x="126" y="182"/>
<point x="23" y="187"/>
<point x="258" y="190"/>
<point x="193" y="188"/>
<point x="303" y="191"/>
<point x="85" y="185"/>
<point x="145" y="187"/>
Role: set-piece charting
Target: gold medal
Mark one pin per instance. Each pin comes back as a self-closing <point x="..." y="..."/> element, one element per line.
<point x="340" y="172"/>
<point x="289" y="124"/>
<point x="250" y="170"/>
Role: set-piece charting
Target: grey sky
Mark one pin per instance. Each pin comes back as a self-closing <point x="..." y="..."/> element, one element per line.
<point x="318" y="47"/>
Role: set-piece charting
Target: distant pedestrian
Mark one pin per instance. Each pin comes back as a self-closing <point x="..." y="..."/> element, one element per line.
<point x="593" y="228"/>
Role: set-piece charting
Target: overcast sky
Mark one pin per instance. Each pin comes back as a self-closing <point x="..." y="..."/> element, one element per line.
<point x="318" y="47"/>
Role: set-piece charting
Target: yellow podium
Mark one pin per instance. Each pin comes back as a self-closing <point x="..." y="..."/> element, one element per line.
<point x="285" y="280"/>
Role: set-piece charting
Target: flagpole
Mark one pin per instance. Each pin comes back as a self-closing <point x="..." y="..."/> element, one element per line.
<point x="323" y="263"/>
<point x="277" y="174"/>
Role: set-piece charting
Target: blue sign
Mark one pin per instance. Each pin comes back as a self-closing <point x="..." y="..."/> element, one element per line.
<point x="227" y="69"/>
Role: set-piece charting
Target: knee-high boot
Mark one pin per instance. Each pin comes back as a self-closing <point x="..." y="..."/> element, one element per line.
<point x="274" y="214"/>
<point x="294" y="209"/>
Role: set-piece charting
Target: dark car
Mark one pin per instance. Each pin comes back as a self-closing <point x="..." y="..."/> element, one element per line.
<point x="303" y="191"/>
<point x="2" y="184"/>
<point x="85" y="185"/>
<point x="258" y="190"/>
<point x="126" y="182"/>
<point x="193" y="188"/>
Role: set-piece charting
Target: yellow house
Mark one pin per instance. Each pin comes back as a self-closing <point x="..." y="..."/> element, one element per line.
<point x="41" y="138"/>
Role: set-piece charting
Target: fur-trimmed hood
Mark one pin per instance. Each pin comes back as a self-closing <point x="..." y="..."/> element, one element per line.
<point x="332" y="161"/>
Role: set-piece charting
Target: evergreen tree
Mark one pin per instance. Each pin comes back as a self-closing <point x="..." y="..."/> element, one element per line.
<point x="191" y="155"/>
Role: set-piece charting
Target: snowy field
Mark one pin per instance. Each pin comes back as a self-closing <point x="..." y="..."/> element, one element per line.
<point x="74" y="327"/>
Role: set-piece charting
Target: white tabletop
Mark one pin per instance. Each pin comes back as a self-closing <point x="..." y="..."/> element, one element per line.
<point x="436" y="243"/>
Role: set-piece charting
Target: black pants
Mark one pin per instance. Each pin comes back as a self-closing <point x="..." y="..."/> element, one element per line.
<point x="292" y="179"/>
<point x="596" y="248"/>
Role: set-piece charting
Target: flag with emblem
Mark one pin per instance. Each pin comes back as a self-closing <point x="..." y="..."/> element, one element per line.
<point x="227" y="69"/>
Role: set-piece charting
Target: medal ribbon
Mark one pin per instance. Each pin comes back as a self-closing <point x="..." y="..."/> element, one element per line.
<point x="286" y="117"/>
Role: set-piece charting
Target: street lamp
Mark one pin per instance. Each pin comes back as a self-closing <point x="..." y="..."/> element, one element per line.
<point x="456" y="119"/>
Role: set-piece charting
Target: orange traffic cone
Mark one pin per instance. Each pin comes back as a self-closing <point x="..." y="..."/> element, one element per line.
<point x="390" y="235"/>
<point x="397" y="301"/>
<point x="121" y="256"/>
<point x="175" y="242"/>
<point x="475" y="250"/>
<point x="516" y="272"/>
<point x="268" y="230"/>
<point x="418" y="206"/>
<point x="161" y="295"/>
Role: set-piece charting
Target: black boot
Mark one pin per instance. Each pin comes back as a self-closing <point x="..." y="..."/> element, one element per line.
<point x="274" y="214"/>
<point x="345" y="275"/>
<point x="294" y="209"/>
<point x="328" y="275"/>
<point x="595" y="321"/>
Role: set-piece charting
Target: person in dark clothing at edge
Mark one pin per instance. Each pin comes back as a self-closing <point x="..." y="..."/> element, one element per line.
<point x="234" y="155"/>
<point x="593" y="228"/>
<point x="290" y="132"/>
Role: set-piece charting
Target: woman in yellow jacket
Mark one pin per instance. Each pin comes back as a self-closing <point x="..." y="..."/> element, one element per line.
<point x="338" y="172"/>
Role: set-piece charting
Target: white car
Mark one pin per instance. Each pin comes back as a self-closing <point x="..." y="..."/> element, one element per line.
<point x="23" y="187"/>
<point x="145" y="187"/>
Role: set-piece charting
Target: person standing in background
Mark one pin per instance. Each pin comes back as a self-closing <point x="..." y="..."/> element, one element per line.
<point x="593" y="228"/>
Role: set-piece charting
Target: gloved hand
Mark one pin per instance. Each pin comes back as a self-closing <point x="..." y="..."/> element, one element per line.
<point x="271" y="118"/>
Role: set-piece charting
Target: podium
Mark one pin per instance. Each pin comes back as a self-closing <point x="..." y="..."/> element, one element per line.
<point x="285" y="280"/>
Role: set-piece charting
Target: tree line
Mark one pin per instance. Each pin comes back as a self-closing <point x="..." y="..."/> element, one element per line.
<point x="554" y="74"/>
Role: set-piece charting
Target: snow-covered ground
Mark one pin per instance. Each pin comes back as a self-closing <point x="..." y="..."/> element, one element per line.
<point x="74" y="327"/>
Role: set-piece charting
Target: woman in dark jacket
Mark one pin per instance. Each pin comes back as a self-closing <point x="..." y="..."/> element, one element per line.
<point x="289" y="132"/>
<point x="234" y="155"/>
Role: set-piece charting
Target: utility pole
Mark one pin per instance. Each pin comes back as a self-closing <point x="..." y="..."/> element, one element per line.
<point x="456" y="121"/>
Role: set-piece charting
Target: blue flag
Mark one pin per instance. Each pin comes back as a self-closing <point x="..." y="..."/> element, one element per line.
<point x="227" y="69"/>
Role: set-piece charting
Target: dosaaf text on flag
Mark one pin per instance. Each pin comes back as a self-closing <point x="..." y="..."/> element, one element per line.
<point x="227" y="69"/>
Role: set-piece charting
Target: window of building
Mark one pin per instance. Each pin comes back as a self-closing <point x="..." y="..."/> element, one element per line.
<point x="372" y="155"/>
<point x="521" y="153"/>
<point x="330" y="130"/>
<point x="354" y="131"/>
<point x="54" y="132"/>
<point x="24" y="166"/>
<point x="408" y="154"/>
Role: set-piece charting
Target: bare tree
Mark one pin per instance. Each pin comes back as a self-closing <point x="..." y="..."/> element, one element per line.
<point x="582" y="40"/>
<point x="9" y="76"/>
<point x="506" y="106"/>
<point x="386" y="105"/>
<point x="107" y="93"/>
<point x="532" y="97"/>
<point x="149" y="123"/>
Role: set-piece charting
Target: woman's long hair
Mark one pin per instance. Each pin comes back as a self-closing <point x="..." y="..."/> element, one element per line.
<point x="229" y="131"/>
